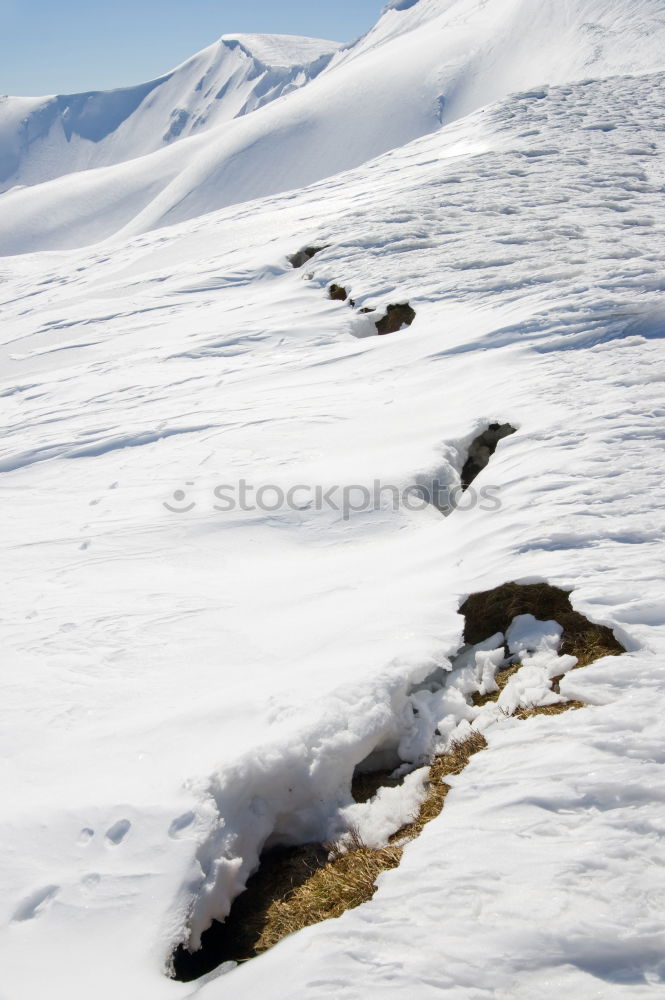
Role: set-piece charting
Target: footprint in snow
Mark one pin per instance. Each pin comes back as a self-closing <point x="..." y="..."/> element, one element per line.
<point x="36" y="903"/>
<point x="179" y="825"/>
<point x="86" y="835"/>
<point x="117" y="833"/>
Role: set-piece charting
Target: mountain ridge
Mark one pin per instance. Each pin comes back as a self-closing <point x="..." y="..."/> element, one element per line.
<point x="45" y="137"/>
<point x="421" y="66"/>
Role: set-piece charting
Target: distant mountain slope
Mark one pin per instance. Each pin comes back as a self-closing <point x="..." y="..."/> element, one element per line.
<point x="424" y="64"/>
<point x="43" y="138"/>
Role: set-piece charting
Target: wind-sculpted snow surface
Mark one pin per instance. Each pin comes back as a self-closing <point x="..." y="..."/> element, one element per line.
<point x="421" y="66"/>
<point x="188" y="680"/>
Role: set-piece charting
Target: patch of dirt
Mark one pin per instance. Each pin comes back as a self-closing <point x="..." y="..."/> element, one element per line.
<point x="482" y="449"/>
<point x="300" y="258"/>
<point x="338" y="293"/>
<point x="493" y="611"/>
<point x="396" y="317"/>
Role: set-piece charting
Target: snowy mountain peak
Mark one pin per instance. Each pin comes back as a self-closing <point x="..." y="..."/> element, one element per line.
<point x="43" y="138"/>
<point x="423" y="65"/>
<point x="281" y="50"/>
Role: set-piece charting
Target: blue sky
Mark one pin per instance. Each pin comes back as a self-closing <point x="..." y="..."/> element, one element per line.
<point x="49" y="47"/>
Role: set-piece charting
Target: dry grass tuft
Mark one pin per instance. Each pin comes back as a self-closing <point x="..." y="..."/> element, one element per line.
<point x="348" y="878"/>
<point x="338" y="293"/>
<point x="442" y="767"/>
<point x="558" y="709"/>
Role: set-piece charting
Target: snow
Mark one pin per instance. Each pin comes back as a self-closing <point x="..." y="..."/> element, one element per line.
<point x="282" y="50"/>
<point x="45" y="138"/>
<point x="182" y="688"/>
<point x="527" y="635"/>
<point x="418" y="68"/>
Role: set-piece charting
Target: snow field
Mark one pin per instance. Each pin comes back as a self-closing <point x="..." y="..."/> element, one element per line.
<point x="182" y="671"/>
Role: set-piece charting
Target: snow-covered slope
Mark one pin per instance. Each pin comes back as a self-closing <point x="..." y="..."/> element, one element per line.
<point x="43" y="138"/>
<point x="424" y="64"/>
<point x="181" y="682"/>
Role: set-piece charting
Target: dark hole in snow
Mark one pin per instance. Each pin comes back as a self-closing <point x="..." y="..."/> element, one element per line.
<point x="396" y="317"/>
<point x="282" y="869"/>
<point x="493" y="611"/>
<point x="338" y="293"/>
<point x="433" y="682"/>
<point x="482" y="449"/>
<point x="382" y="768"/>
<point x="366" y="784"/>
<point x="302" y="256"/>
<point x="383" y="758"/>
<point x="366" y="309"/>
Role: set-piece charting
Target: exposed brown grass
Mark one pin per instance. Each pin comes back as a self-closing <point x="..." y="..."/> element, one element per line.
<point x="502" y="678"/>
<point x="347" y="880"/>
<point x="557" y="709"/>
<point x="443" y="766"/>
<point x="349" y="877"/>
<point x="300" y="886"/>
<point x="493" y="610"/>
<point x="283" y="870"/>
